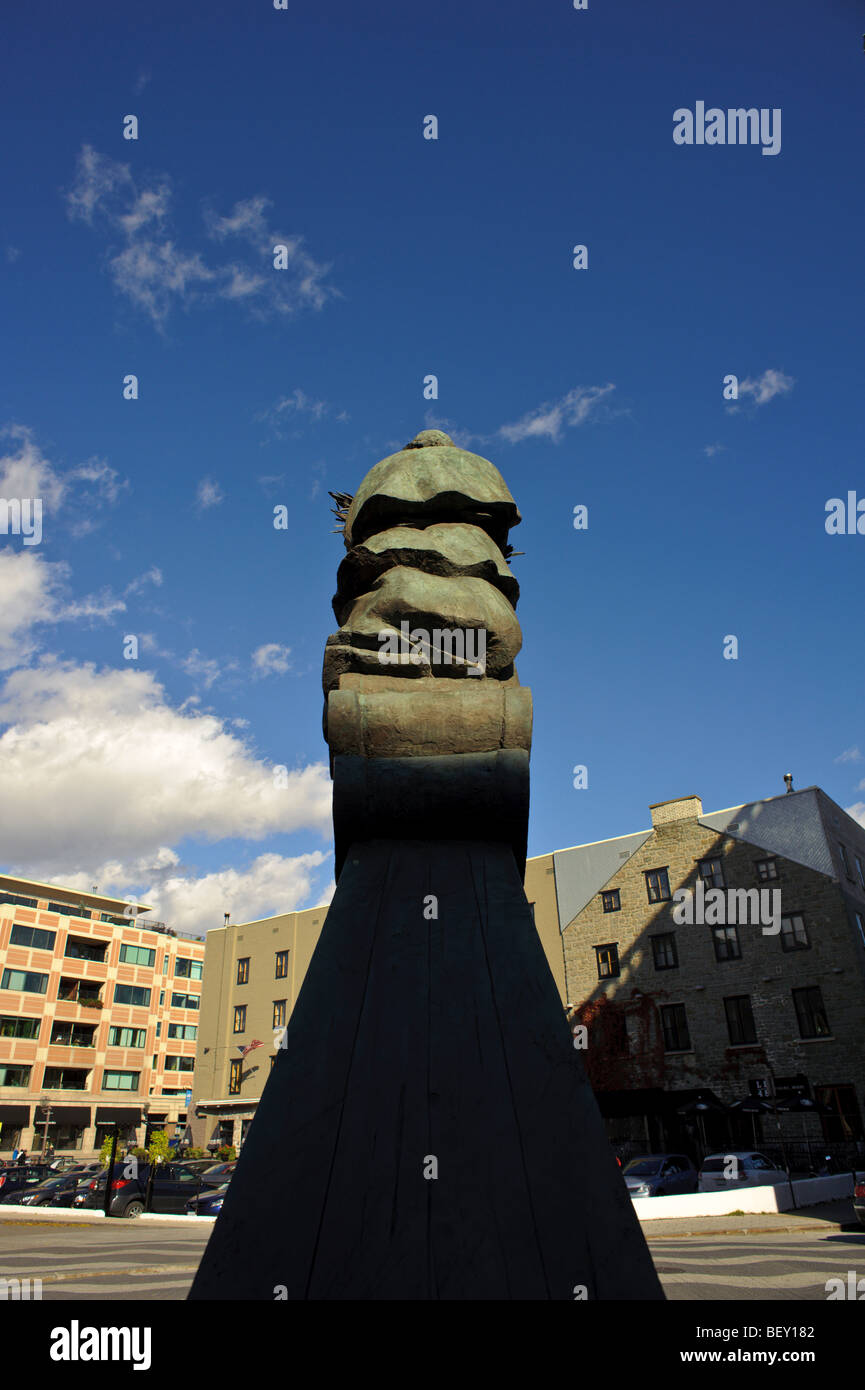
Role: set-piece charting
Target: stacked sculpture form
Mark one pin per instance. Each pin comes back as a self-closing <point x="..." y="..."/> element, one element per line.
<point x="427" y="1131"/>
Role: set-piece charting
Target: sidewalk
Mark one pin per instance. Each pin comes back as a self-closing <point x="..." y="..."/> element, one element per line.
<point x="826" y="1218"/>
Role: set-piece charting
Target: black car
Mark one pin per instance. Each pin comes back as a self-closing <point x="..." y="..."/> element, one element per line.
<point x="16" y="1177"/>
<point x="173" y="1186"/>
<point x="43" y="1193"/>
<point x="207" y="1203"/>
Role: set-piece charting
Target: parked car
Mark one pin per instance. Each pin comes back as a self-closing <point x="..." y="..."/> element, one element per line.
<point x="195" y="1165"/>
<point x="218" y="1173"/>
<point x="660" y="1175"/>
<point x="16" y="1177"/>
<point x="751" y="1169"/>
<point x="41" y="1193"/>
<point x="207" y="1203"/>
<point x="172" y="1188"/>
<point x="859" y="1202"/>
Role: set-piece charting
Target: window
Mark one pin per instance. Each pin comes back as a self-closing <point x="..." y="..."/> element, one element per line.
<point x="740" y="1019"/>
<point x="14" y="1076"/>
<point x="186" y="1001"/>
<point x="165" y="964"/>
<point x="137" y="955"/>
<point x="18" y="901"/>
<point x="675" y="1025"/>
<point x="767" y="869"/>
<point x="73" y="1034"/>
<point x="159" y="1029"/>
<point x="26" y="980"/>
<point x="810" y="1012"/>
<point x="120" y="1080"/>
<point x="281" y="965"/>
<point x="161" y="997"/>
<point x="65" y="1079"/>
<point x="794" y="937"/>
<point x="75" y="991"/>
<point x="79" y="948"/>
<point x="860" y="871"/>
<point x="243" y="970"/>
<point x="279" y="1013"/>
<point x="127" y="1037"/>
<point x="187" y="968"/>
<point x="68" y="910"/>
<point x="726" y="943"/>
<point x="607" y="960"/>
<point x="34" y="937"/>
<point x="845" y="861"/>
<point x="187" y="1031"/>
<point x="611" y="900"/>
<point x="712" y="872"/>
<point x="664" y="951"/>
<point x="272" y="1060"/>
<point x="136" y="995"/>
<point x="13" y="1026"/>
<point x="657" y="885"/>
<point x="235" y="1077"/>
<point x="176" y="1063"/>
<point x="860" y="922"/>
<point x="240" y="1018"/>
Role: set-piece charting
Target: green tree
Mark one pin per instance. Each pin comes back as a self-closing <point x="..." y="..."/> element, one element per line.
<point x="158" y="1150"/>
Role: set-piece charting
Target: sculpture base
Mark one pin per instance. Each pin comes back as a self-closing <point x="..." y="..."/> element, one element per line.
<point x="427" y="1132"/>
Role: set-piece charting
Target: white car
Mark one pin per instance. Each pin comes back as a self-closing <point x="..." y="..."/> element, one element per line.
<point x="742" y="1168"/>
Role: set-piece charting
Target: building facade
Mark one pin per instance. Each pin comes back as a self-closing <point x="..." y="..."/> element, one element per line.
<point x="99" y="1020"/>
<point x="688" y="1006"/>
<point x="254" y="971"/>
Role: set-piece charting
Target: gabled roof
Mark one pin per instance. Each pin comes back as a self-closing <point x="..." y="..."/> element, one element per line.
<point x="789" y="825"/>
<point x="581" y="872"/>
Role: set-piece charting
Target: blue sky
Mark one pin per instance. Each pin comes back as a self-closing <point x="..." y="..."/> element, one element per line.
<point x="408" y="257"/>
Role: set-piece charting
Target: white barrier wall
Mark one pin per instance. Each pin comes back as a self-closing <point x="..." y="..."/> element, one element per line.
<point x="748" y="1199"/>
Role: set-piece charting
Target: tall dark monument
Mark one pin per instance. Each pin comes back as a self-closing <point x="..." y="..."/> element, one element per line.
<point x="427" y="1131"/>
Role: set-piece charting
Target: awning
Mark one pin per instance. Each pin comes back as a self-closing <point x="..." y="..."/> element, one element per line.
<point x="63" y="1115"/>
<point x="118" y="1114"/>
<point x="15" y="1114"/>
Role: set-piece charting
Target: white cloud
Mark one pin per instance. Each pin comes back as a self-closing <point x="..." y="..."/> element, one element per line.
<point x="33" y="593"/>
<point x="203" y="668"/>
<point x="272" y="883"/>
<point x="155" y="273"/>
<point x="857" y="810"/>
<point x="710" y="450"/>
<point x="100" y="759"/>
<point x="12" y="254"/>
<point x="81" y="493"/>
<point x="766" y="387"/>
<point x="208" y="494"/>
<point x="271" y="659"/>
<point x="551" y="419"/>
<point x="151" y="576"/>
<point x="850" y="755"/>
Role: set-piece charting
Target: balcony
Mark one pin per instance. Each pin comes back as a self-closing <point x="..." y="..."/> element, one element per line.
<point x="83" y="992"/>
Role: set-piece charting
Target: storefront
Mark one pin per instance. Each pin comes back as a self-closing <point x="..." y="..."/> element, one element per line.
<point x="60" y="1127"/>
<point x="127" y="1118"/>
<point x="14" y="1119"/>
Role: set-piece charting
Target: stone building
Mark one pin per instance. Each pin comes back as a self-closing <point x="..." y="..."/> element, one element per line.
<point x="254" y="971"/>
<point x="680" y="1014"/>
<point x="98" y="1020"/>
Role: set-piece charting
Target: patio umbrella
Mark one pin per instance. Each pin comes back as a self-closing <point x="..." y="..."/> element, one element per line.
<point x="755" y="1105"/>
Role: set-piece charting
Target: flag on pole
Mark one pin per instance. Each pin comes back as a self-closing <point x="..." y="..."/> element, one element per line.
<point x="249" y="1046"/>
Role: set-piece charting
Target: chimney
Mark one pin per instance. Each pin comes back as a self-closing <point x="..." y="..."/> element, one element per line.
<point x="681" y="808"/>
<point x="226" y="915"/>
<point x="788" y="778"/>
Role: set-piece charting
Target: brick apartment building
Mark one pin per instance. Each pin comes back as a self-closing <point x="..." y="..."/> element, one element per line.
<point x="254" y="971"/>
<point x="678" y="1013"/>
<point x="98" y="1020"/>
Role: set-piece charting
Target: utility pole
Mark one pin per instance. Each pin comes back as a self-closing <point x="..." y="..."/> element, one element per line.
<point x="47" y="1108"/>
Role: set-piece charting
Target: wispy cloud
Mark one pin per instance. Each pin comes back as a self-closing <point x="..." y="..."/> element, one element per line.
<point x="271" y="659"/>
<point x="547" y="421"/>
<point x="850" y="755"/>
<point x="284" y="417"/>
<point x="208" y="494"/>
<point x="710" y="450"/>
<point x="765" y="388"/>
<point x="151" y="576"/>
<point x="155" y="274"/>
